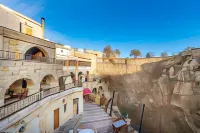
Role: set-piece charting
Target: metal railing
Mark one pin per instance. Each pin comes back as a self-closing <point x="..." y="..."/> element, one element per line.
<point x="16" y="106"/>
<point x="9" y="55"/>
<point x="12" y="108"/>
<point x="50" y="91"/>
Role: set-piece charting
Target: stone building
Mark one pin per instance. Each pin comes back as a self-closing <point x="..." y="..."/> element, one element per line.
<point x="18" y="22"/>
<point x="39" y="80"/>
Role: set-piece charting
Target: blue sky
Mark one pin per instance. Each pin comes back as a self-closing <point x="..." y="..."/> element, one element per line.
<point x="149" y="25"/>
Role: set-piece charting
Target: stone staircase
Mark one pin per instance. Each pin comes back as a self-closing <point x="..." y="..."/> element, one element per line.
<point x="95" y="117"/>
<point x="69" y="125"/>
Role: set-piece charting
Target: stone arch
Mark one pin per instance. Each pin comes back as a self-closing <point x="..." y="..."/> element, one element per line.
<point x="68" y="79"/>
<point x="5" y="86"/>
<point x="18" y="89"/>
<point x="48" y="81"/>
<point x="100" y="90"/>
<point x="34" y="52"/>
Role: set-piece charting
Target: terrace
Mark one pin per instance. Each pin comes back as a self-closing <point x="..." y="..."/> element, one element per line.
<point x="15" y="103"/>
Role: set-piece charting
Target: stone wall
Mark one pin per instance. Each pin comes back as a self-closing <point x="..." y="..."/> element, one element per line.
<point x="11" y="71"/>
<point x="121" y="65"/>
<point x="17" y="42"/>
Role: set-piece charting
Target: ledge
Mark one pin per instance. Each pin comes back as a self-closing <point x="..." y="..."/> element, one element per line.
<point x="27" y="38"/>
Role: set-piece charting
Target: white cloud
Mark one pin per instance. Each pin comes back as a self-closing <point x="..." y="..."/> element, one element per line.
<point x="24" y="7"/>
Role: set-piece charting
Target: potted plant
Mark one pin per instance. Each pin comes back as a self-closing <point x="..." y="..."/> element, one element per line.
<point x="125" y="115"/>
<point x="128" y="121"/>
<point x="11" y="92"/>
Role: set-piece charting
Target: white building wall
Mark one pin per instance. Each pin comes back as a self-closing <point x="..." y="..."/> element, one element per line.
<point x="33" y="126"/>
<point x="62" y="53"/>
<point x="43" y="116"/>
<point x="12" y="21"/>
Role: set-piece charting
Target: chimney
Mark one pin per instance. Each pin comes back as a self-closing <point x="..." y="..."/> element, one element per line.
<point x="42" y="24"/>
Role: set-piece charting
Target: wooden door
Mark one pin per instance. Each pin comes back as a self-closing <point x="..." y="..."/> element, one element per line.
<point x="56" y="118"/>
<point x="75" y="106"/>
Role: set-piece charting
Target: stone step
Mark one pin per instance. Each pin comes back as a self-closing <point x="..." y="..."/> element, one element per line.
<point x="95" y="119"/>
<point x="93" y="105"/>
<point x="94" y="116"/>
<point x="93" y="111"/>
<point x="91" y="108"/>
<point x="90" y="104"/>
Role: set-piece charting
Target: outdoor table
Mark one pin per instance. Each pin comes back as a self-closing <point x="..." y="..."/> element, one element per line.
<point x="118" y="125"/>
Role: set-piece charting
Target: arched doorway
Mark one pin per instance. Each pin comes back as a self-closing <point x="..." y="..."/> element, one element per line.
<point x="80" y="76"/>
<point x="18" y="90"/>
<point x="87" y="76"/>
<point x="35" y="53"/>
<point x="94" y="91"/>
<point x="47" y="82"/>
<point x="100" y="91"/>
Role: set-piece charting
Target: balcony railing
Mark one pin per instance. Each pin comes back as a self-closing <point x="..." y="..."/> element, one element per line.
<point x="50" y="91"/>
<point x="12" y="108"/>
<point x="16" y="106"/>
<point x="8" y="55"/>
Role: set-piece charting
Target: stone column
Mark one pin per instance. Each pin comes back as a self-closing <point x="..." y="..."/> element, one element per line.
<point x="93" y="64"/>
<point x="77" y="64"/>
<point x="67" y="64"/>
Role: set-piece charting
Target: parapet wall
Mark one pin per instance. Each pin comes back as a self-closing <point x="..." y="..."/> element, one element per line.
<point x="118" y="66"/>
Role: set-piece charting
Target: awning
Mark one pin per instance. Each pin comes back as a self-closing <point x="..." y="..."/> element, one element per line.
<point x="86" y="91"/>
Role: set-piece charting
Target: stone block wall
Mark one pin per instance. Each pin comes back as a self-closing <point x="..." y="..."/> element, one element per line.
<point x="14" y="41"/>
<point x="122" y="65"/>
<point x="11" y="71"/>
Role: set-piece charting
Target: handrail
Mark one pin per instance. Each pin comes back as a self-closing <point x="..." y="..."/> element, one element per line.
<point x="9" y="109"/>
<point x="4" y="54"/>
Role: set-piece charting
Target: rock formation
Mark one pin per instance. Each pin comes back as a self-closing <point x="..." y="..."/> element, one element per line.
<point x="170" y="89"/>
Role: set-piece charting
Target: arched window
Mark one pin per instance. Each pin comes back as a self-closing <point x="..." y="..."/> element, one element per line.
<point x="47" y="82"/>
<point x="34" y="53"/>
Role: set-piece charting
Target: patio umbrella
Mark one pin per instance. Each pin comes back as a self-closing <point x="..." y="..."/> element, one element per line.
<point x="86" y="91"/>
